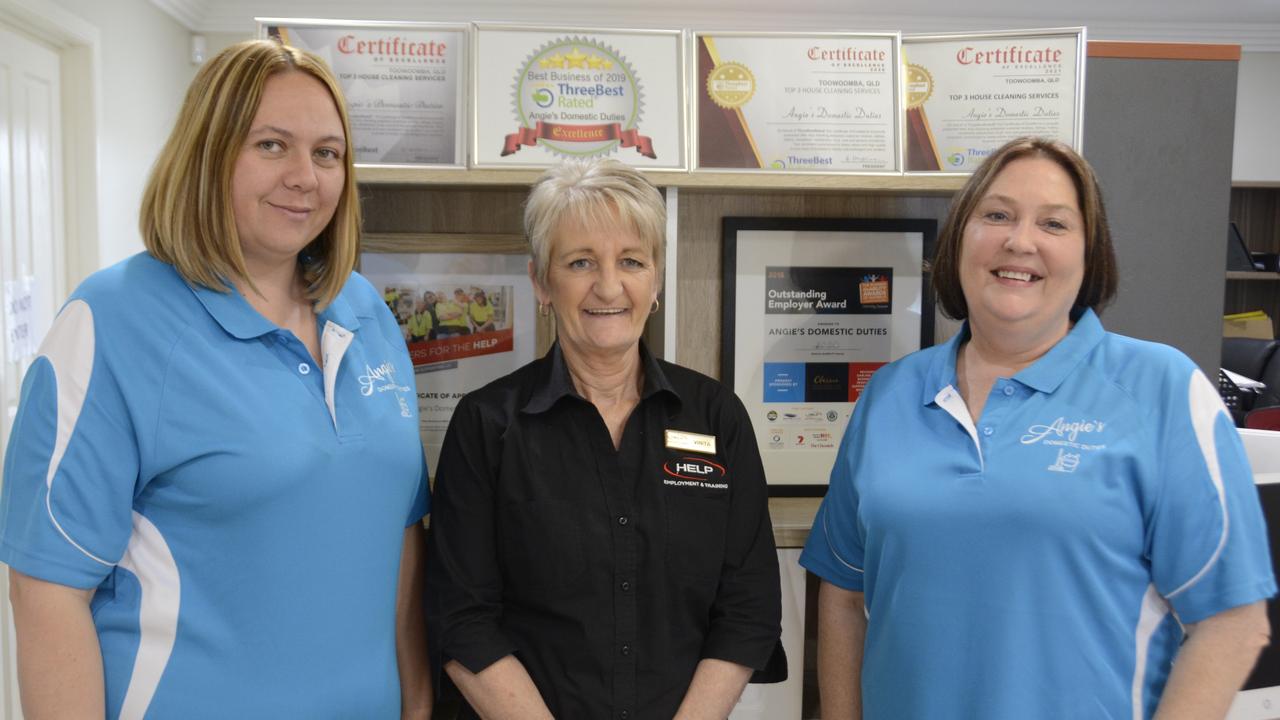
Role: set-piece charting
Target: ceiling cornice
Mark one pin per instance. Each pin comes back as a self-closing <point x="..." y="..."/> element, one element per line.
<point x="188" y="12"/>
<point x="236" y="16"/>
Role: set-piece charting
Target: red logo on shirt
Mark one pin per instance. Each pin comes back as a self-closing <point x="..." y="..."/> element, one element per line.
<point x="690" y="468"/>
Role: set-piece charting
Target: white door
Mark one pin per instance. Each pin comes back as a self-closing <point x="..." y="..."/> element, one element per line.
<point x="32" y="248"/>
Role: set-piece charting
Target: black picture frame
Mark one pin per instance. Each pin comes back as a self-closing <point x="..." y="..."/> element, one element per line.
<point x="735" y="228"/>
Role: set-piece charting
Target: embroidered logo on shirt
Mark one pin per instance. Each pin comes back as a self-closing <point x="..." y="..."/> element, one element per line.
<point x="383" y="379"/>
<point x="1065" y="434"/>
<point x="694" y="472"/>
<point x="1066" y="462"/>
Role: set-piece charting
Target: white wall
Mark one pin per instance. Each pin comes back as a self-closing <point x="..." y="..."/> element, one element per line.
<point x="1257" y="154"/>
<point x="144" y="71"/>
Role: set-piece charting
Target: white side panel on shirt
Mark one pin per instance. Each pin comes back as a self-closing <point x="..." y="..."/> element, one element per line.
<point x="149" y="559"/>
<point x="69" y="348"/>
<point x="1154" y="610"/>
<point x="1205" y="405"/>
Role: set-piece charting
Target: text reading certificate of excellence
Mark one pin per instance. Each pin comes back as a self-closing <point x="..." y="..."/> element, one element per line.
<point x="825" y="103"/>
<point x="968" y="95"/>
<point x="403" y="86"/>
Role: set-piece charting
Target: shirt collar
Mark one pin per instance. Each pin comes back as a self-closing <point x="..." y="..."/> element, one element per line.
<point x="1044" y="375"/>
<point x="554" y="382"/>
<point x="237" y="317"/>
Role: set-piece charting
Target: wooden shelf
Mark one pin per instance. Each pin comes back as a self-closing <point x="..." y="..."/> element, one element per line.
<point x="1252" y="276"/>
<point x="792" y="518"/>
<point x="916" y="184"/>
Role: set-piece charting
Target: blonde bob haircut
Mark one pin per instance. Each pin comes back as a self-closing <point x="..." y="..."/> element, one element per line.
<point x="1101" y="275"/>
<point x="187" y="218"/>
<point x="601" y="194"/>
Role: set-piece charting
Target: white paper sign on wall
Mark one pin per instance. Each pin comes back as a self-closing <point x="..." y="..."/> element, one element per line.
<point x="19" y="318"/>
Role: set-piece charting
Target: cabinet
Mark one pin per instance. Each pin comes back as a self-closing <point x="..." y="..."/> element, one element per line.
<point x="1256" y="211"/>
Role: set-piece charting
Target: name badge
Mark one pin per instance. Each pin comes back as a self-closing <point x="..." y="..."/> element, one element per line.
<point x="693" y="442"/>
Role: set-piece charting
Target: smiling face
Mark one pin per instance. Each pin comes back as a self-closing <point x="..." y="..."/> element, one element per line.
<point x="601" y="282"/>
<point x="1022" y="251"/>
<point x="289" y="175"/>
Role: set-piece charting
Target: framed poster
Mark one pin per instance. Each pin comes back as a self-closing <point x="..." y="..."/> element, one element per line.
<point x="403" y="84"/>
<point x="466" y="310"/>
<point x="968" y="94"/>
<point x="544" y="93"/>
<point x="811" y="308"/>
<point x="793" y="102"/>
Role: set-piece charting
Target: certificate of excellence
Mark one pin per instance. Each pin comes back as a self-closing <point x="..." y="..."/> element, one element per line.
<point x="402" y="82"/>
<point x="825" y="103"/>
<point x="967" y="95"/>
<point x="547" y="94"/>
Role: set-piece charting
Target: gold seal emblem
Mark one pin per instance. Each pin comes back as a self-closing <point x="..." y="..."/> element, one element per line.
<point x="919" y="86"/>
<point x="731" y="85"/>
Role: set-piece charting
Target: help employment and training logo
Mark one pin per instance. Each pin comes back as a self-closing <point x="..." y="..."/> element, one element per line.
<point x="578" y="98"/>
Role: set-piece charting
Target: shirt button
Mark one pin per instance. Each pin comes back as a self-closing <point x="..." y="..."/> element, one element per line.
<point x="988" y="430"/>
<point x="1008" y="389"/>
<point x="626" y="650"/>
<point x="625" y="586"/>
<point x="304" y="368"/>
<point x="622" y="520"/>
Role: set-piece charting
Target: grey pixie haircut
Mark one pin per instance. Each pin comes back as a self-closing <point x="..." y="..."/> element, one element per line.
<point x="598" y="193"/>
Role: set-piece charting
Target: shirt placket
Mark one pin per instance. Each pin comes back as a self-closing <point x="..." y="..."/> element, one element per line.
<point x="618" y="486"/>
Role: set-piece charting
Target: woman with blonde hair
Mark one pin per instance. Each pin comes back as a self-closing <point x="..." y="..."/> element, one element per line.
<point x="214" y="486"/>
<point x="601" y="544"/>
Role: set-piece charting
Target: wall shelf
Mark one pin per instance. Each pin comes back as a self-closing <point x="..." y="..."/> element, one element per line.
<point x="914" y="184"/>
<point x="1252" y="276"/>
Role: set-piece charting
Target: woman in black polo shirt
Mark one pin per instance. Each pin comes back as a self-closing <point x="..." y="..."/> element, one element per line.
<point x="601" y="544"/>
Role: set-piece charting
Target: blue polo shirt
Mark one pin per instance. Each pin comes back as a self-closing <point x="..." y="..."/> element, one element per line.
<point x="1036" y="564"/>
<point x="239" y="510"/>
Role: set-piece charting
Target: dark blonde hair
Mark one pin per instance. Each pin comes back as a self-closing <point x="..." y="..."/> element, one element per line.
<point x="600" y="192"/>
<point x="187" y="218"/>
<point x="1098" y="286"/>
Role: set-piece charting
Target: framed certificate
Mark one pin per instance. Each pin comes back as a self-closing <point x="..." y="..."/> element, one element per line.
<point x="542" y="94"/>
<point x="403" y="84"/>
<point x="967" y="95"/>
<point x="792" y="102"/>
<point x="812" y="308"/>
<point x="466" y="310"/>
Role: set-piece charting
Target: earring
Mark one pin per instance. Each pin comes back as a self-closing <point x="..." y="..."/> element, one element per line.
<point x="544" y="310"/>
<point x="655" y="306"/>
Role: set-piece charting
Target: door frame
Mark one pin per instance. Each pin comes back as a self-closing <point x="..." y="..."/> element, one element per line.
<point x="78" y="44"/>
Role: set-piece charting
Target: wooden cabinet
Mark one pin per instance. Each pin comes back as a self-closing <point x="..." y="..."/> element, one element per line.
<point x="1256" y="211"/>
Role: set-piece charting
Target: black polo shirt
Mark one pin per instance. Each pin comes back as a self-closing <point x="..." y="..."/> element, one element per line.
<point x="608" y="573"/>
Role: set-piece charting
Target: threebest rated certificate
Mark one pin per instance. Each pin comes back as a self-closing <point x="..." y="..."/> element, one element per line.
<point x="403" y="84"/>
<point x="813" y="102"/>
<point x="966" y="95"/>
<point x="544" y="94"/>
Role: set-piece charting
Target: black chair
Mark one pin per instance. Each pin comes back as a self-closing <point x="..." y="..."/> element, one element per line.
<point x="1255" y="359"/>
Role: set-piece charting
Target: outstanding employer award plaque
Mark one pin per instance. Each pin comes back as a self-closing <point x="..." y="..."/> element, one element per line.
<point x="403" y="84"/>
<point x="791" y="102"/>
<point x="542" y="94"/>
<point x="967" y="95"/>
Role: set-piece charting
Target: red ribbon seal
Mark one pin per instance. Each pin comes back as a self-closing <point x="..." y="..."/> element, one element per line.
<point x="560" y="132"/>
